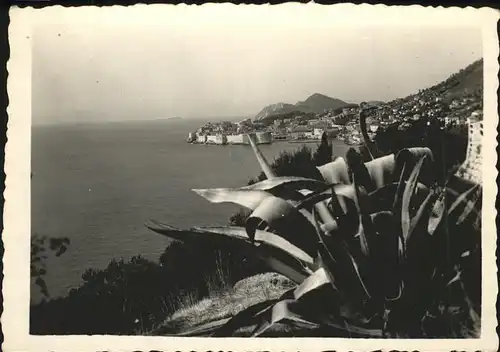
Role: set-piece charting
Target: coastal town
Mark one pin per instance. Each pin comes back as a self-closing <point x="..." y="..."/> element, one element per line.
<point x="343" y="125"/>
<point x="445" y="102"/>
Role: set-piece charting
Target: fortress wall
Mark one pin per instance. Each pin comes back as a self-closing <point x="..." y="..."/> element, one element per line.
<point x="471" y="169"/>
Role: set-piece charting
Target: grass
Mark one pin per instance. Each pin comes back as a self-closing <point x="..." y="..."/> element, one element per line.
<point x="225" y="302"/>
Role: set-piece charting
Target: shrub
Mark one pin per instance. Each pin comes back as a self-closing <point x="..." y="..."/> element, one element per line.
<point x="133" y="296"/>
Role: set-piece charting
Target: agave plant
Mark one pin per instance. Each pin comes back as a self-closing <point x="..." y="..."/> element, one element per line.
<point x="377" y="249"/>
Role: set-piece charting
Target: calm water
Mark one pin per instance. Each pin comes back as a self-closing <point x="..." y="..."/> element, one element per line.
<point x="98" y="184"/>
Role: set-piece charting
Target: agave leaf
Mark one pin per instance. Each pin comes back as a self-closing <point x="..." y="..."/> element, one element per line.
<point x="370" y="145"/>
<point x="280" y="311"/>
<point x="326" y="258"/>
<point x="327" y="193"/>
<point x="340" y="265"/>
<point x="358" y="169"/>
<point x="358" y="276"/>
<point x="246" y="198"/>
<point x="339" y="205"/>
<point x="287" y="181"/>
<point x="381" y="170"/>
<point x="424" y="208"/>
<point x="261" y="236"/>
<point x="343" y="324"/>
<point x="280" y="255"/>
<point x="405" y="202"/>
<point x="331" y="227"/>
<point x="293" y="270"/>
<point x="318" y="279"/>
<point x="297" y="313"/>
<point x="207" y="329"/>
<point x="245" y="318"/>
<point x="324" y="212"/>
<point x="468" y="210"/>
<point x="266" y="167"/>
<point x="335" y="172"/>
<point x="364" y="220"/>
<point x="285" y="220"/>
<point x="410" y="157"/>
<point x="399" y="191"/>
<point x="384" y="170"/>
<point x="437" y="213"/>
<point x="470" y="198"/>
<point x="283" y="310"/>
<point x="173" y="232"/>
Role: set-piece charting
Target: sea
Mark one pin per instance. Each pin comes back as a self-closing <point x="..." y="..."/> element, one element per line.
<point x="98" y="183"/>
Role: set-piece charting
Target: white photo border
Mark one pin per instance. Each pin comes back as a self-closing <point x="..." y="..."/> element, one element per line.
<point x="17" y="215"/>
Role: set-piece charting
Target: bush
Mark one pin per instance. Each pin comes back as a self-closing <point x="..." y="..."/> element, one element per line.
<point x="133" y="296"/>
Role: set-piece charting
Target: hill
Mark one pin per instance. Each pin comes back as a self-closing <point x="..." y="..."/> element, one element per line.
<point x="275" y="109"/>
<point x="316" y="103"/>
<point x="467" y="81"/>
<point x="456" y="98"/>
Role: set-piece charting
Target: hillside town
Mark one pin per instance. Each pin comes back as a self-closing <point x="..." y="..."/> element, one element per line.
<point x="444" y="102"/>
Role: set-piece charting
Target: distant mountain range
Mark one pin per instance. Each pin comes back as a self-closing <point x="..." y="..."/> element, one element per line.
<point x="316" y="103"/>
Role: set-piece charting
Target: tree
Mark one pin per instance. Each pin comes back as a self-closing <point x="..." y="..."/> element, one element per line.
<point x="39" y="255"/>
<point x="323" y="154"/>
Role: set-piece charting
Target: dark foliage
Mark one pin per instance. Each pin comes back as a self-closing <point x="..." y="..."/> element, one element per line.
<point x="323" y="154"/>
<point x="41" y="248"/>
<point x="448" y="144"/>
<point x="133" y="296"/>
<point x="300" y="163"/>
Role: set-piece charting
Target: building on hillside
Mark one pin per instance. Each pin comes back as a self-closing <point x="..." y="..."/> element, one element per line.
<point x="299" y="132"/>
<point x="309" y="135"/>
<point x="247" y="121"/>
<point x="313" y="122"/>
<point x="454" y="104"/>
<point x="318" y="132"/>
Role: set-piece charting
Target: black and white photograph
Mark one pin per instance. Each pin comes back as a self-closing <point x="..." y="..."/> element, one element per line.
<point x="255" y="171"/>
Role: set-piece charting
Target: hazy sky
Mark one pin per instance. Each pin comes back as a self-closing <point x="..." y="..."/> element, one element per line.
<point x="111" y="71"/>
